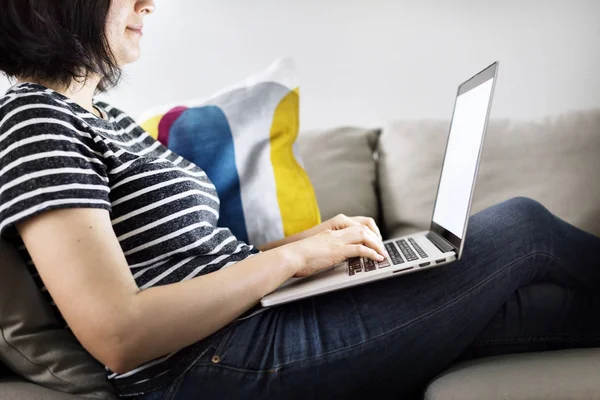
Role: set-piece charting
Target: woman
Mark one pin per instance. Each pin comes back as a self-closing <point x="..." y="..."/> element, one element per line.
<point x="117" y="226"/>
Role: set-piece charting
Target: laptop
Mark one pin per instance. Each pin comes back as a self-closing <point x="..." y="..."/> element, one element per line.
<point x="443" y="243"/>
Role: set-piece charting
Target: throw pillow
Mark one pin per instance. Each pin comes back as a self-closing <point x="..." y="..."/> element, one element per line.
<point x="244" y="139"/>
<point x="34" y="344"/>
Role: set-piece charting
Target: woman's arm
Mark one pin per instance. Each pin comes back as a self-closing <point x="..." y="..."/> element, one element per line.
<point x="83" y="266"/>
<point x="292" y="238"/>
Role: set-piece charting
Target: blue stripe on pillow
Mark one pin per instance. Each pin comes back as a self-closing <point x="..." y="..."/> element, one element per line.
<point x="203" y="136"/>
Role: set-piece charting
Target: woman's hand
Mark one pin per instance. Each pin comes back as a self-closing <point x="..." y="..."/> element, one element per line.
<point x="330" y="247"/>
<point x="341" y="221"/>
<point x="336" y="223"/>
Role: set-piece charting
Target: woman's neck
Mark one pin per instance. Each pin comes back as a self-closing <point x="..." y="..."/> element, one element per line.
<point x="81" y="93"/>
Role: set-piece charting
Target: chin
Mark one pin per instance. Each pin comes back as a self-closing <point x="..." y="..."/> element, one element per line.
<point x="129" y="56"/>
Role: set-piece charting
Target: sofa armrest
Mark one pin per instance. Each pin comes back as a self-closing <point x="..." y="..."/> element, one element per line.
<point x="552" y="375"/>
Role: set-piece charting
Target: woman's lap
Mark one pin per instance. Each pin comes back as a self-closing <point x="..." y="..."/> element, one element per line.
<point x="396" y="334"/>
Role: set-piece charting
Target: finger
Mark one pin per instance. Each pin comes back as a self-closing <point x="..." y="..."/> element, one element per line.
<point x="351" y="221"/>
<point x="359" y="250"/>
<point x="363" y="235"/>
<point x="369" y="223"/>
<point x="340" y="222"/>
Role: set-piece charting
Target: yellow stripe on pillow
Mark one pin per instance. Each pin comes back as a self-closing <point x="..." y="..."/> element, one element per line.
<point x="151" y="125"/>
<point x="295" y="193"/>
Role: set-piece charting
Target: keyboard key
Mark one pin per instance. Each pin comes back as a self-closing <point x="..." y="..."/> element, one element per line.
<point x="354" y="265"/>
<point x="393" y="253"/>
<point x="408" y="252"/>
<point x="369" y="264"/>
<point x="418" y="248"/>
<point x="383" y="264"/>
<point x="354" y="262"/>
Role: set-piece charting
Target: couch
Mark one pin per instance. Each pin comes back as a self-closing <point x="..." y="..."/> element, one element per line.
<point x="391" y="174"/>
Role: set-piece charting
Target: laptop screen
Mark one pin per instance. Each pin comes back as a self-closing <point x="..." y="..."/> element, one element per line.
<point x="462" y="153"/>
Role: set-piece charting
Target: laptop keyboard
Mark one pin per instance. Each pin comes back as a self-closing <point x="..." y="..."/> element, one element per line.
<point x="418" y="248"/>
<point x="410" y="249"/>
<point x="394" y="253"/>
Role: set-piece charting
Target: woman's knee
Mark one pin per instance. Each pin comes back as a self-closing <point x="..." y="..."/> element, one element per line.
<point x="519" y="212"/>
<point x="528" y="209"/>
<point x="525" y="205"/>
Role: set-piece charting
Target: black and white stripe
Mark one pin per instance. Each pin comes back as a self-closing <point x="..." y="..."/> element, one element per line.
<point x="164" y="209"/>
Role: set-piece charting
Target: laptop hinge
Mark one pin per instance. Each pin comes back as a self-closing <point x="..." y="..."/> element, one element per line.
<point x="442" y="244"/>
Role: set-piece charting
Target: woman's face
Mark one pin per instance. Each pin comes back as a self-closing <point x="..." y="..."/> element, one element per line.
<point x="124" y="28"/>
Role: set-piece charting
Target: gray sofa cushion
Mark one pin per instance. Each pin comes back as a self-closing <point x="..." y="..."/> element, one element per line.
<point x="17" y="389"/>
<point x="34" y="344"/>
<point x="4" y="371"/>
<point x="554" y="160"/>
<point x="342" y="169"/>
<point x="554" y="375"/>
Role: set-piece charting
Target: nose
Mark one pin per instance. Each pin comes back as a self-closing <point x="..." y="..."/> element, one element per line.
<point x="144" y="7"/>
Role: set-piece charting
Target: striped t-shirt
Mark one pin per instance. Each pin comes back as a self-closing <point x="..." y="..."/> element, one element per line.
<point x="164" y="209"/>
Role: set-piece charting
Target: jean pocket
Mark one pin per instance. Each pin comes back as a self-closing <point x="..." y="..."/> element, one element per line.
<point x="211" y="346"/>
<point x="223" y="345"/>
<point x="217" y="344"/>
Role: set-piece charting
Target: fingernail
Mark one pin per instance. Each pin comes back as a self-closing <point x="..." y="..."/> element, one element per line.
<point x="380" y="257"/>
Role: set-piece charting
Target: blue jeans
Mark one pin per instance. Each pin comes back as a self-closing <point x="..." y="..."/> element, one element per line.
<point x="527" y="281"/>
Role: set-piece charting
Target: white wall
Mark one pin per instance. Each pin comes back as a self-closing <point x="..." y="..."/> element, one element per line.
<point x="363" y="62"/>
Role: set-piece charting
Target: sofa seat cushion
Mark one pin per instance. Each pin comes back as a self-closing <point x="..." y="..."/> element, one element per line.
<point x="18" y="389"/>
<point x="564" y="375"/>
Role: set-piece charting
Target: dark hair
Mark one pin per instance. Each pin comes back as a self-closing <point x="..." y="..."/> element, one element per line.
<point x="56" y="41"/>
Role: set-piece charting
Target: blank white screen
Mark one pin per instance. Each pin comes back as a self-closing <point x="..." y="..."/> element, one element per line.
<point x="458" y="172"/>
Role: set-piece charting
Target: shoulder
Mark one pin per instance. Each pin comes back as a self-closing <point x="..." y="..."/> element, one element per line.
<point x="34" y="120"/>
<point x="29" y="104"/>
<point x="30" y="95"/>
